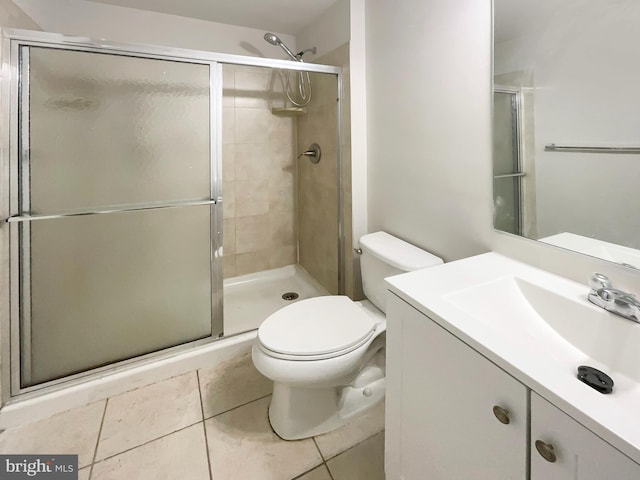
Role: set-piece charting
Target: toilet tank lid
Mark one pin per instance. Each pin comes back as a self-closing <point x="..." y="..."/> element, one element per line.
<point x="397" y="253"/>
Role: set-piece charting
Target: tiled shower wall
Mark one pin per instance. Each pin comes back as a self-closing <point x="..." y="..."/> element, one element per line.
<point x="258" y="170"/>
<point x="267" y="215"/>
<point x="318" y="183"/>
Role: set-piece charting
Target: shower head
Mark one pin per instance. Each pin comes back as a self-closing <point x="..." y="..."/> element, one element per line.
<point x="273" y="39"/>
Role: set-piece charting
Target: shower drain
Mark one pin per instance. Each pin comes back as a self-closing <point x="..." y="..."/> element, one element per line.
<point x="290" y="296"/>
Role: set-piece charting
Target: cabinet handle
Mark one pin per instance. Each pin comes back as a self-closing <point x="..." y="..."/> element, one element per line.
<point x="502" y="414"/>
<point x="546" y="451"/>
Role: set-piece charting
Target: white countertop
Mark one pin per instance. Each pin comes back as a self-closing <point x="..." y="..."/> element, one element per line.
<point x="614" y="417"/>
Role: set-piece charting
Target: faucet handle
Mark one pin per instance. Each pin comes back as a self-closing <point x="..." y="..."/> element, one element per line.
<point x="598" y="281"/>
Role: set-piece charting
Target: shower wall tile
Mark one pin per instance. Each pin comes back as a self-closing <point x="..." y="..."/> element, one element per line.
<point x="252" y="233"/>
<point x="252" y="197"/>
<point x="282" y="148"/>
<point x="228" y="199"/>
<point x="229" y="266"/>
<point x="284" y="256"/>
<point x="259" y="169"/>
<point x="318" y="186"/>
<point x="228" y="87"/>
<point x="250" y="88"/>
<point x="318" y="230"/>
<point x="281" y="178"/>
<point x="228" y="125"/>
<point x="252" y="161"/>
<point x="252" y="262"/>
<point x="353" y="282"/>
<point x="282" y="128"/>
<point x="252" y="125"/>
<point x="229" y="161"/>
<point x="281" y="229"/>
<point x="282" y="199"/>
<point x="229" y="236"/>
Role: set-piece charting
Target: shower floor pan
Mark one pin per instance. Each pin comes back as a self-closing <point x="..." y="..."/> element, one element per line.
<point x="249" y="299"/>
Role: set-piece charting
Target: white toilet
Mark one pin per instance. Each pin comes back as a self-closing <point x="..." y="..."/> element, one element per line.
<point x="326" y="355"/>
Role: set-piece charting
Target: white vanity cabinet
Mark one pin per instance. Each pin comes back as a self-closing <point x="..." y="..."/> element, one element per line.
<point x="441" y="394"/>
<point x="443" y="412"/>
<point x="562" y="449"/>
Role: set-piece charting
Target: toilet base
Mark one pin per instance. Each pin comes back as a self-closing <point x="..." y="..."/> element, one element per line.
<point x="297" y="412"/>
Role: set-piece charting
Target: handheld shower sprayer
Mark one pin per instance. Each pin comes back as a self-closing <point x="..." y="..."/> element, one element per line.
<point x="273" y="39"/>
<point x="303" y="86"/>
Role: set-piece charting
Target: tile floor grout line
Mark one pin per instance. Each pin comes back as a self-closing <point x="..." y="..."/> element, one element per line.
<point x="310" y="470"/>
<point x="95" y="450"/>
<point x="204" y="427"/>
<point x="235" y="408"/>
<point x="328" y="470"/>
<point x="324" y="460"/>
<point x="200" y="395"/>
<point x="354" y="445"/>
<point x="148" y="442"/>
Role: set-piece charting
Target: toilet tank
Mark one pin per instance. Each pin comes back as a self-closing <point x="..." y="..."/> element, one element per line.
<point x="384" y="255"/>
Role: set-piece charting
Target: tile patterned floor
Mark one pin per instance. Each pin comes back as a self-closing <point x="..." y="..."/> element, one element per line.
<point x="210" y="424"/>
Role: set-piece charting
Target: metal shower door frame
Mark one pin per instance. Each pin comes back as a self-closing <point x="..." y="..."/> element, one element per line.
<point x="15" y="165"/>
<point x="10" y="282"/>
<point x="516" y="125"/>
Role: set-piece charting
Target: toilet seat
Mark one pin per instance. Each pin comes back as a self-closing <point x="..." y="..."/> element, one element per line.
<point x="316" y="328"/>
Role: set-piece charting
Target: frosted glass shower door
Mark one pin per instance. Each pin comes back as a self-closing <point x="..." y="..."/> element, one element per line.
<point x="116" y="218"/>
<point x="507" y="204"/>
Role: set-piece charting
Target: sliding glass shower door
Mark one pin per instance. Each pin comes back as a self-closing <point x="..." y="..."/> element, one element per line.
<point x="507" y="173"/>
<point x="115" y="230"/>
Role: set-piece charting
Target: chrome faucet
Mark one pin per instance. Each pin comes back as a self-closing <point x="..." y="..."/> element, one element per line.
<point x="613" y="300"/>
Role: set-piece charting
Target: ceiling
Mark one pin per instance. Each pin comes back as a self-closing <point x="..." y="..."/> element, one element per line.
<point x="280" y="16"/>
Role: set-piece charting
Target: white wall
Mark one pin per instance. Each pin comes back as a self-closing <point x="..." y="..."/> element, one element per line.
<point x="429" y="123"/>
<point x="11" y="15"/>
<point x="585" y="94"/>
<point x="358" y="112"/>
<point x="327" y="32"/>
<point x="429" y="136"/>
<point x="95" y="20"/>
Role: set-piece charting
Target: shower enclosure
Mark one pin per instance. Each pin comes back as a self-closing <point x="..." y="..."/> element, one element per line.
<point x="125" y="170"/>
<point x="507" y="165"/>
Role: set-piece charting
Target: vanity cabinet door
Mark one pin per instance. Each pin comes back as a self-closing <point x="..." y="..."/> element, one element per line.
<point x="441" y="398"/>
<point x="562" y="449"/>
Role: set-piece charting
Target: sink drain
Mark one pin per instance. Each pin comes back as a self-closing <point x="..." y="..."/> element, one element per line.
<point x="290" y="296"/>
<point x="596" y="379"/>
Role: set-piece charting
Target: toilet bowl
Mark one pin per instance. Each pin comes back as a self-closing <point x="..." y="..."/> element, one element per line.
<point x="326" y="355"/>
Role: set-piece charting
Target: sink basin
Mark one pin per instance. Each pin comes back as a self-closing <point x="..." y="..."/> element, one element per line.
<point x="562" y="323"/>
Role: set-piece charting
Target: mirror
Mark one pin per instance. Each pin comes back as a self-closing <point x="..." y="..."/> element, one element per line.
<point x="567" y="124"/>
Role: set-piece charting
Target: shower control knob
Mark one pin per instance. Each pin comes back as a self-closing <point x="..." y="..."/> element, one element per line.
<point x="313" y="153"/>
